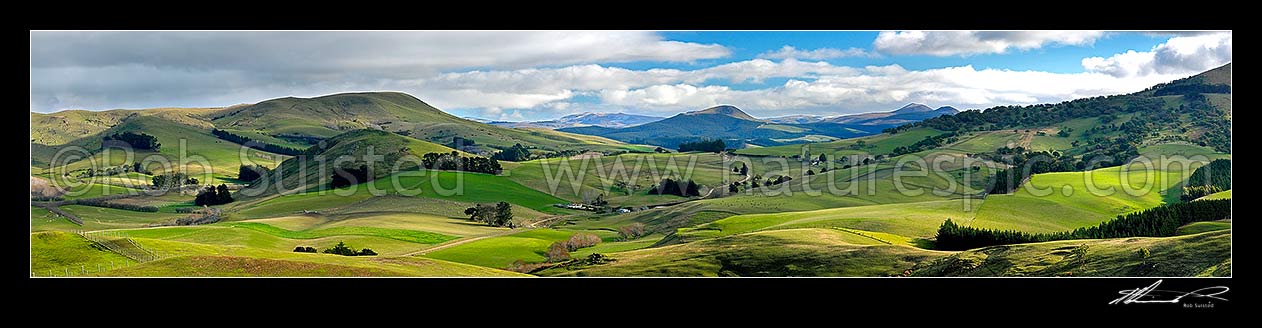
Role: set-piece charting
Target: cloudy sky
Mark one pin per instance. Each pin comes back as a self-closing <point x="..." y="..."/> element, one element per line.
<point x="532" y="75"/>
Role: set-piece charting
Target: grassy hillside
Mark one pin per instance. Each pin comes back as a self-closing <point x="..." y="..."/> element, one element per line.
<point x="798" y="252"/>
<point x="499" y="252"/>
<point x="350" y="150"/>
<point x="58" y="251"/>
<point x="1199" y="227"/>
<point x="1062" y="201"/>
<point x="190" y="148"/>
<point x="307" y="262"/>
<point x="1205" y="254"/>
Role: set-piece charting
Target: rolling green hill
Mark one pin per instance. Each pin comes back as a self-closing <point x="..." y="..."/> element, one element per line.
<point x="782" y="253"/>
<point x="186" y="145"/>
<point x="328" y="116"/>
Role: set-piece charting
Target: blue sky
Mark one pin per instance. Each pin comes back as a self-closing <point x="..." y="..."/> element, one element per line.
<point x="546" y="74"/>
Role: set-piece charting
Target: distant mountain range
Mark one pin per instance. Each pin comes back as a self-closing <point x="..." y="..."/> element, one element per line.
<point x="913" y="112"/>
<point x="609" y="120"/>
<point x="739" y="129"/>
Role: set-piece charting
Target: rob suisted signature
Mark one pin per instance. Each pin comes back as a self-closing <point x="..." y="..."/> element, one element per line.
<point x="1151" y="294"/>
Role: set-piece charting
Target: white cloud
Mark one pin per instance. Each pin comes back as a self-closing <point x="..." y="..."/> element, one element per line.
<point x="534" y="87"/>
<point x="788" y="52"/>
<point x="1179" y="55"/>
<point x="885" y="88"/>
<point x="300" y="63"/>
<point x="948" y="43"/>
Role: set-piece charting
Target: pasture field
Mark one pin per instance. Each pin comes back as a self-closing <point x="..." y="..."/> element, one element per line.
<point x="1203" y="254"/>
<point x="1060" y="201"/>
<point x="1204" y="226"/>
<point x="397" y="266"/>
<point x="782" y="253"/>
<point x="57" y="251"/>
<point x="499" y="252"/>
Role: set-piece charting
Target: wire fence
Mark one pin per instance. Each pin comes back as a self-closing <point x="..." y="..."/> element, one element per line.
<point x="118" y="242"/>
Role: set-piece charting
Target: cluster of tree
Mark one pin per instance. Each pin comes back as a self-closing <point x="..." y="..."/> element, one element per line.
<point x="348" y="176"/>
<point x="213" y="196"/>
<point x="498" y="215"/>
<point x="1159" y="221"/>
<point x="250" y="173"/>
<point x="305" y="249"/>
<point x="1191" y="89"/>
<point x="174" y="180"/>
<point x="777" y="180"/>
<point x="454" y="162"/>
<point x="706" y="145"/>
<point x="114" y="170"/>
<point x="516" y="153"/>
<point x="1208" y="179"/>
<point x="632" y="231"/>
<point x="744" y="169"/>
<point x="670" y="186"/>
<point x="133" y="140"/>
<point x="255" y="144"/>
<point x="929" y="142"/>
<point x="342" y="249"/>
<point x="660" y="150"/>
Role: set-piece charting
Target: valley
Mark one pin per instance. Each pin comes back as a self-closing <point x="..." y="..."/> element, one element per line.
<point x="412" y="190"/>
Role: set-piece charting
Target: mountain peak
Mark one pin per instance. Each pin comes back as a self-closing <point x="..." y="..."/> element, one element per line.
<point x="913" y="108"/>
<point x="947" y="109"/>
<point x="728" y="110"/>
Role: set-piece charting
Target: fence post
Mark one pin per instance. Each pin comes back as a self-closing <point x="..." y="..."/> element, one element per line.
<point x="67" y="271"/>
<point x="83" y="269"/>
